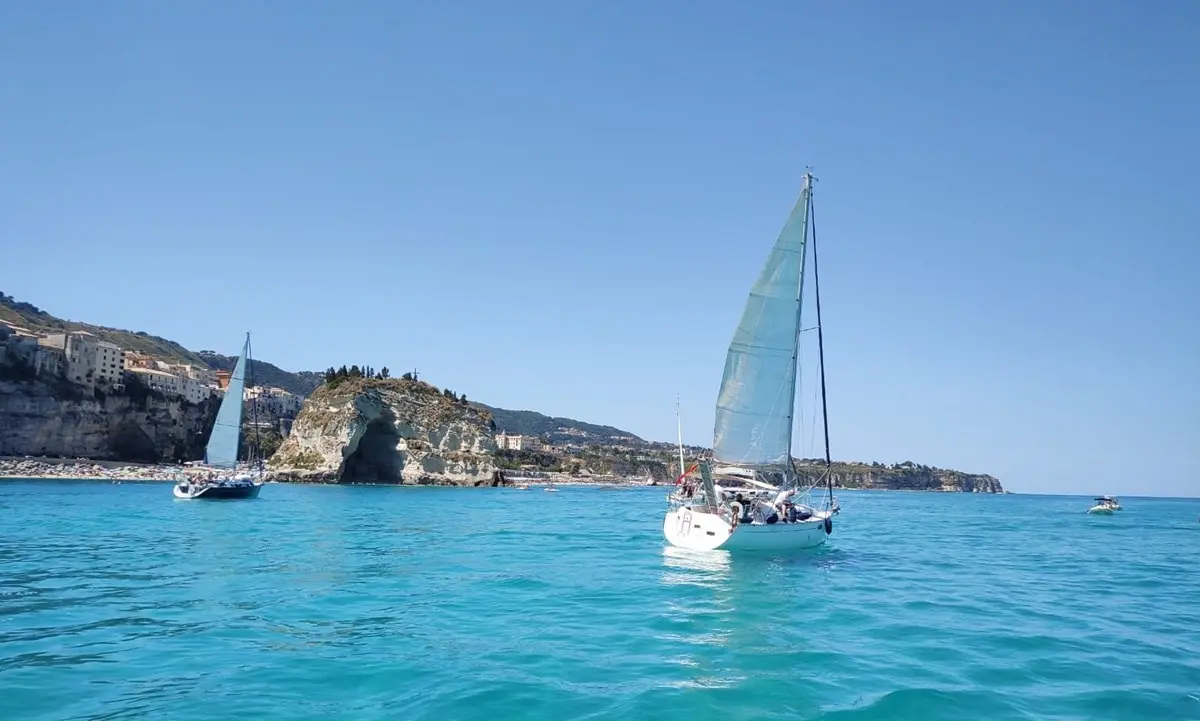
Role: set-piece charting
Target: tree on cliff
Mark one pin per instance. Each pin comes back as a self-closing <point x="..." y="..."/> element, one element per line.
<point x="334" y="376"/>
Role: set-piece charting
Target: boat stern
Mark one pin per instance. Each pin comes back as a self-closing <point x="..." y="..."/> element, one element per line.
<point x="687" y="527"/>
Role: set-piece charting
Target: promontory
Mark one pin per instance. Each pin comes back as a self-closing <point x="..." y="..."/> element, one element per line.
<point x="387" y="430"/>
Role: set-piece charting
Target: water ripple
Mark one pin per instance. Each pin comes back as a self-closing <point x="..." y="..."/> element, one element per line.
<point x="117" y="602"/>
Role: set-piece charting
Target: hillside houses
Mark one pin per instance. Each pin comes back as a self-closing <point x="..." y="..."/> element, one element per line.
<point x="95" y="365"/>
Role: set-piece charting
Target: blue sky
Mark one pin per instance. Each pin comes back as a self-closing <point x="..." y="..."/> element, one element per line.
<point x="561" y="206"/>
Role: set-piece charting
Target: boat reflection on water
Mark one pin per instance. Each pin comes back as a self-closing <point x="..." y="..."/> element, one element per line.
<point x="699" y="612"/>
<point x="685" y="566"/>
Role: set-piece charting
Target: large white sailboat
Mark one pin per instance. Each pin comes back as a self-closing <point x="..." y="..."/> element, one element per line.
<point x="219" y="478"/>
<point x="750" y="496"/>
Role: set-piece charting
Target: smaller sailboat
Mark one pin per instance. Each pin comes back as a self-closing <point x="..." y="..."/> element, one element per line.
<point x="1105" y="506"/>
<point x="219" y="478"/>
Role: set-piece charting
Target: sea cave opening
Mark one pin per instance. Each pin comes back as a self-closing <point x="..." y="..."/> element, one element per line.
<point x="376" y="459"/>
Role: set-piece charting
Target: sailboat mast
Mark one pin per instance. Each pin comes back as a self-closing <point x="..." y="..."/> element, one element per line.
<point x="679" y="427"/>
<point x="806" y="197"/>
<point x="253" y="406"/>
<point x="821" y="350"/>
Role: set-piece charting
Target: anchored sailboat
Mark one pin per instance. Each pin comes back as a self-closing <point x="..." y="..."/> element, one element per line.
<point x="220" y="456"/>
<point x="751" y="496"/>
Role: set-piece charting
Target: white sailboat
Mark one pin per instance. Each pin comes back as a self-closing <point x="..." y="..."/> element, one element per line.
<point x="220" y="479"/>
<point x="750" y="495"/>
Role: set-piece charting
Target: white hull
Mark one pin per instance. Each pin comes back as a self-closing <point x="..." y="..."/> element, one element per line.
<point x="687" y="528"/>
<point x="1100" y="510"/>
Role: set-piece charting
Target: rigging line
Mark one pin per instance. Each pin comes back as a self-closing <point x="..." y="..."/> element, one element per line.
<point x="808" y="416"/>
<point x="821" y="350"/>
<point x="800" y="389"/>
<point x="812" y="430"/>
<point x="253" y="409"/>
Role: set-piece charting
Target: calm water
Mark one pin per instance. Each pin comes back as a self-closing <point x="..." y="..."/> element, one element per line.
<point x="117" y="602"/>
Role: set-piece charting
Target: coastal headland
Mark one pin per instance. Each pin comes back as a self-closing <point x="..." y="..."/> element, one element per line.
<point x="87" y="401"/>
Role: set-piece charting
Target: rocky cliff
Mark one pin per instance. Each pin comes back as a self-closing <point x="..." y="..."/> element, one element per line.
<point x="362" y="430"/>
<point x="905" y="476"/>
<point x="53" y="418"/>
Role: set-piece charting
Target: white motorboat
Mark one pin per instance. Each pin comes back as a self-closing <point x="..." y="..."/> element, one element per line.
<point x="1105" y="506"/>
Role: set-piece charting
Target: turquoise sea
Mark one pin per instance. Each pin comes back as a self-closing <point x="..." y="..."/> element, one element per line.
<point x="118" y="602"/>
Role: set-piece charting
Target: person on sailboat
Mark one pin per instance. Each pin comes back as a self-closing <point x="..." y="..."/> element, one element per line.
<point x="745" y="509"/>
<point x="765" y="513"/>
<point x="689" y="489"/>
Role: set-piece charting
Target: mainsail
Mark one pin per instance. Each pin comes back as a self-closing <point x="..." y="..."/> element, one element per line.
<point x="758" y="389"/>
<point x="222" y="447"/>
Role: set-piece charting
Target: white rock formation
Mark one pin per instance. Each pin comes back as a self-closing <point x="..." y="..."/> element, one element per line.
<point x="386" y="431"/>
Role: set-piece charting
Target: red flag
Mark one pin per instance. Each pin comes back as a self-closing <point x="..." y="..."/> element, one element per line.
<point x="687" y="473"/>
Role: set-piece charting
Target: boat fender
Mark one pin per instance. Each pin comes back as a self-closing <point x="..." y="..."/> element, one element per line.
<point x="828" y="526"/>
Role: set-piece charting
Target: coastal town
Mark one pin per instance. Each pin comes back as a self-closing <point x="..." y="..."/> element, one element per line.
<point x="79" y="373"/>
<point x="94" y="366"/>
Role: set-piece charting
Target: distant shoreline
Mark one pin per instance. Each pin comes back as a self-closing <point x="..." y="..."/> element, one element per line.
<point x="76" y="469"/>
<point x="511" y="486"/>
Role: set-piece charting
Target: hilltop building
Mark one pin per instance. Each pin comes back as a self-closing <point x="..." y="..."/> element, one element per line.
<point x="507" y="442"/>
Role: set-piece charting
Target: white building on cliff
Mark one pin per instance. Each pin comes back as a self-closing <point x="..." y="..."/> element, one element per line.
<point x="507" y="442"/>
<point x="90" y="362"/>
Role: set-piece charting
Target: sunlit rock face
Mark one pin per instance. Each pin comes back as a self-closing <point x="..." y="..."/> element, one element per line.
<point x="53" y="418"/>
<point x="386" y="431"/>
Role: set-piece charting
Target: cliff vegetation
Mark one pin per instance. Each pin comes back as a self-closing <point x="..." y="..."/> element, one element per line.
<point x="35" y="319"/>
<point x="555" y="429"/>
<point x="906" y="476"/>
